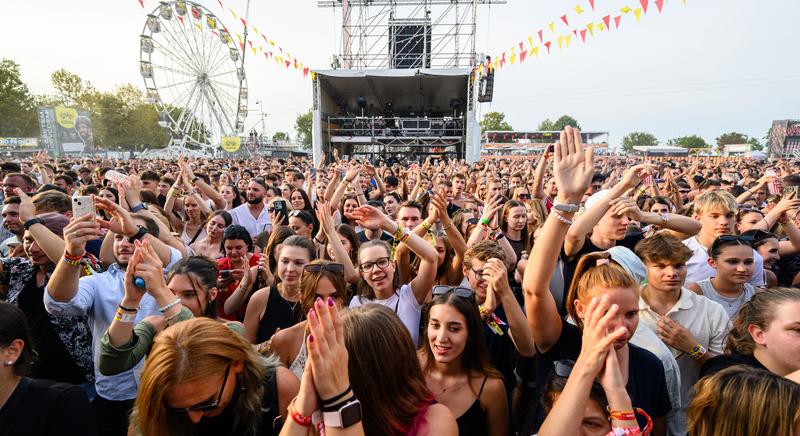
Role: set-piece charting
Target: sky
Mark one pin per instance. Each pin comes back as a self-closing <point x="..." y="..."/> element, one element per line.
<point x="701" y="67"/>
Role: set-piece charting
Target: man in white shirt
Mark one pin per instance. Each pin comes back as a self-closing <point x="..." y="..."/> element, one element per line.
<point x="253" y="215"/>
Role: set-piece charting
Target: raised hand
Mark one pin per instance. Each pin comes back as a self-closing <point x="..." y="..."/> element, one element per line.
<point x="27" y="210"/>
<point x="325" y="219"/>
<point x="572" y="166"/>
<point x="626" y="206"/>
<point x="133" y="294"/>
<point x="635" y="174"/>
<point x="326" y="350"/>
<point x="121" y="221"/>
<point x="370" y="218"/>
<point x="78" y="232"/>
<point x="597" y="341"/>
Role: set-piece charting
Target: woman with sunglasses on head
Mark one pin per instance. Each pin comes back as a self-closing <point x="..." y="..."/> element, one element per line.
<point x="732" y="259"/>
<point x="33" y="406"/>
<point x="380" y="279"/>
<point x="595" y="277"/>
<point x="342" y="242"/>
<point x="321" y="279"/>
<point x="278" y="306"/>
<point x="230" y="193"/>
<point x="211" y="245"/>
<point x="189" y="291"/>
<point x="238" y="260"/>
<point x="456" y="366"/>
<point x="202" y="378"/>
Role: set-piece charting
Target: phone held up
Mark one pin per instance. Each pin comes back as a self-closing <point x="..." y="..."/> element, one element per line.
<point x="82" y="205"/>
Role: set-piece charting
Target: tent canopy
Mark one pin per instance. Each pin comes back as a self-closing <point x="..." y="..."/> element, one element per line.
<point x="409" y="90"/>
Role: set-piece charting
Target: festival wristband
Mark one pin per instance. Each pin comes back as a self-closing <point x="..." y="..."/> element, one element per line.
<point x="302" y="420"/>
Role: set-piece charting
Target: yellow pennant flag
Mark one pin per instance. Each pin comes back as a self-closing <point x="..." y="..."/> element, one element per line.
<point x="530" y="41"/>
<point x="254" y="50"/>
<point x="254" y="28"/>
<point x="313" y="75"/>
<point x="535" y="51"/>
<point x="625" y="10"/>
<point x="638" y="14"/>
<point x="568" y="38"/>
<point x="552" y="27"/>
<point x="590" y="28"/>
<point x="560" y="42"/>
<point x="232" y="13"/>
<point x="199" y="27"/>
<point x="513" y="57"/>
<point x="601" y="26"/>
<point x="578" y="9"/>
<point x="272" y="43"/>
<point x="494" y="64"/>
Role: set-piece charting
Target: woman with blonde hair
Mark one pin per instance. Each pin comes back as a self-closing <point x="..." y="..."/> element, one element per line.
<point x="743" y="401"/>
<point x="203" y="378"/>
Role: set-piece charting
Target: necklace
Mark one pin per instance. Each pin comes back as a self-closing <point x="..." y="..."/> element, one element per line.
<point x="454" y="385"/>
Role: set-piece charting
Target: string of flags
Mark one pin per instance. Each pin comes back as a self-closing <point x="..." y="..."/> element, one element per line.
<point x="566" y="31"/>
<point x="263" y="44"/>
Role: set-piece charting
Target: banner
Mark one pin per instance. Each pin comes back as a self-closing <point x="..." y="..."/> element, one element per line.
<point x="19" y="142"/>
<point x="65" y="130"/>
<point x="231" y="144"/>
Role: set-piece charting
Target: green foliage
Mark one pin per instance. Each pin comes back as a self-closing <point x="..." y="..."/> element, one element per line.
<point x="494" y="121"/>
<point x="755" y="144"/>
<point x="559" y="124"/>
<point x="302" y="125"/>
<point x="280" y="136"/>
<point x="731" y="138"/>
<point x="637" y="139"/>
<point x="692" y="141"/>
<point x="17" y="114"/>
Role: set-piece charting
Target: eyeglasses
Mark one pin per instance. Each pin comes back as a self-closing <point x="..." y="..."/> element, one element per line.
<point x="205" y="407"/>
<point x="524" y="196"/>
<point x="465" y="293"/>
<point x="472" y="221"/>
<point x="478" y="273"/>
<point x="336" y="268"/>
<point x="684" y="191"/>
<point x="382" y="263"/>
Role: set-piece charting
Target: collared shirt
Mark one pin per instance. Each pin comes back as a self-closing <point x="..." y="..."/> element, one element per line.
<point x="98" y="297"/>
<point x="241" y="215"/>
<point x="706" y="320"/>
<point x="699" y="269"/>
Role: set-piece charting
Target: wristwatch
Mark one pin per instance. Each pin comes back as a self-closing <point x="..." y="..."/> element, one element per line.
<point x="139" y="207"/>
<point x="566" y="207"/>
<point x="346" y="416"/>
<point x="139" y="235"/>
<point x="31" y="222"/>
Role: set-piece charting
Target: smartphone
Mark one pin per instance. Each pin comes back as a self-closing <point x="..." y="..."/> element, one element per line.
<point x="790" y="190"/>
<point x="82" y="205"/>
<point x="225" y="273"/>
<point x="115" y="176"/>
<point x="281" y="211"/>
<point x="551" y="148"/>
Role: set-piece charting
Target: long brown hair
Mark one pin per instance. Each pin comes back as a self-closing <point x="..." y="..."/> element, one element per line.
<point x="383" y="370"/>
<point x="310" y="280"/>
<point x="504" y="221"/>
<point x="590" y="273"/>
<point x="744" y="401"/>
<point x="362" y="288"/>
<point x="474" y="358"/>
<point x="192" y="350"/>
<point x="759" y="311"/>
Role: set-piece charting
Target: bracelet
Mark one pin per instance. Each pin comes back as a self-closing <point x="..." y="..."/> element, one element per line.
<point x="302" y="420"/>
<point x="72" y="258"/>
<point x="338" y="405"/>
<point x="128" y="309"/>
<point x="697" y="352"/>
<point x="619" y="431"/>
<point x="71" y="262"/>
<point x="31" y="222"/>
<point x="170" y="305"/>
<point x="168" y="320"/>
<point x="337" y="397"/>
<point x="499" y="235"/>
<point x="447" y="227"/>
<point x="484" y="221"/>
<point x="561" y="218"/>
<point x="627" y="415"/>
<point x="426" y="226"/>
<point x="126" y="318"/>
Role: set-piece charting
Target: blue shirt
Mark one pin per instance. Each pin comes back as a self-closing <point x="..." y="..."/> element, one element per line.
<point x="98" y="297"/>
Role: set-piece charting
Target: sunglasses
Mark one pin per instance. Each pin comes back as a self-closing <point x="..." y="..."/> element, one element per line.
<point x="746" y="210"/>
<point x="524" y="196"/>
<point x="367" y="266"/>
<point x="472" y="221"/>
<point x="205" y="407"/>
<point x="739" y="239"/>
<point x="465" y="293"/>
<point x="336" y="268"/>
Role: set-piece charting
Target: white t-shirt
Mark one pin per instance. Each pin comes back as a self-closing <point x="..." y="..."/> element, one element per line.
<point x="404" y="304"/>
<point x="707" y="321"/>
<point x="699" y="269"/>
<point x="241" y="215"/>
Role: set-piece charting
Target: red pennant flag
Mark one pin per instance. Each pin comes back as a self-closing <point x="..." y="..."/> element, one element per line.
<point x="141" y="2"/>
<point x="241" y="46"/>
<point x="659" y="5"/>
<point x="305" y="71"/>
<point x="266" y="55"/>
<point x="564" y="19"/>
<point x="591" y="3"/>
<point x="503" y="59"/>
<point x="287" y="64"/>
<point x="607" y="20"/>
<point x="540" y="36"/>
<point x="244" y="23"/>
<point x="644" y="4"/>
<point x="295" y="62"/>
<point x="547" y="44"/>
<point x="522" y="55"/>
<point x="270" y="54"/>
<point x="265" y="38"/>
<point x="180" y="18"/>
<point x="616" y="20"/>
<point x="521" y="47"/>
<point x="575" y="32"/>
<point x="583" y="35"/>
<point x="220" y="4"/>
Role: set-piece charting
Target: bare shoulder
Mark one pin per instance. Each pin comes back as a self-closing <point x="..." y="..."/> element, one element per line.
<point x="260" y="296"/>
<point x="285" y="343"/>
<point x="440" y="421"/>
<point x="493" y="389"/>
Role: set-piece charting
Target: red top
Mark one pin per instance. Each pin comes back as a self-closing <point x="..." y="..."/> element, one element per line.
<point x="223" y="294"/>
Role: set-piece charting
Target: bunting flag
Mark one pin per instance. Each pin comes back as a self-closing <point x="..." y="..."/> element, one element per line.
<point x="564" y="19"/>
<point x="591" y="3"/>
<point x="607" y="20"/>
<point x="583" y="35"/>
<point x="547" y="44"/>
<point x="601" y="27"/>
<point x="540" y="37"/>
<point x="522" y="55"/>
<point x="181" y="20"/>
<point x="638" y="14"/>
<point x="578" y="9"/>
<point x="552" y="26"/>
<point x="560" y="42"/>
<point x="211" y="22"/>
<point x="617" y="20"/>
<point x="590" y="27"/>
<point x="567" y="39"/>
<point x="644" y="4"/>
<point x="625" y="10"/>
<point x="659" y="5"/>
<point x="141" y="2"/>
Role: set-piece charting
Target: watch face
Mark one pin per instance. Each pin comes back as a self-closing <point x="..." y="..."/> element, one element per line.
<point x="351" y="414"/>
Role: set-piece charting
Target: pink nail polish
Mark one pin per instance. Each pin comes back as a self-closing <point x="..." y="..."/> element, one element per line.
<point x="330" y="301"/>
<point x="310" y="338"/>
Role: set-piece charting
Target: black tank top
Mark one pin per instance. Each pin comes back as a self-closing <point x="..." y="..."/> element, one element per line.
<point x="279" y="314"/>
<point x="473" y="421"/>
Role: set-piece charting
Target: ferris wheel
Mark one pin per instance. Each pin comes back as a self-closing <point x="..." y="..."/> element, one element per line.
<point x="193" y="75"/>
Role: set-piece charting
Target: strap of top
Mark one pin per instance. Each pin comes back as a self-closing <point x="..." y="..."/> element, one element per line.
<point x="482" y="385"/>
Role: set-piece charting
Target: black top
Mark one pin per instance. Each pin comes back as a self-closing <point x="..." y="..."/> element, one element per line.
<point x="501" y="350"/>
<point x="474" y="421"/>
<point x="647" y="385"/>
<point x="279" y="314"/>
<point x="571" y="262"/>
<point x="42" y="407"/>
<point x="718" y="363"/>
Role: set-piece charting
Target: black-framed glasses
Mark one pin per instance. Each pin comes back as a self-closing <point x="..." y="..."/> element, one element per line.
<point x="336" y="268"/>
<point x="478" y="273"/>
<point x="209" y="405"/>
<point x="461" y="292"/>
<point x="382" y="263"/>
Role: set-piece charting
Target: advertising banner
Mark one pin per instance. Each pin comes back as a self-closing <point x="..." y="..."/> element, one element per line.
<point x="65" y="130"/>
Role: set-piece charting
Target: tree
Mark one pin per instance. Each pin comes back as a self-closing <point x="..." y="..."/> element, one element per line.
<point x="755" y="144"/>
<point x="546" y="125"/>
<point x="17" y="105"/>
<point x="636" y="139"/>
<point x="731" y="138"/>
<point x="302" y="125"/>
<point x="559" y="124"/>
<point x="71" y="90"/>
<point x="692" y="141"/>
<point x="494" y="121"/>
<point x="280" y="136"/>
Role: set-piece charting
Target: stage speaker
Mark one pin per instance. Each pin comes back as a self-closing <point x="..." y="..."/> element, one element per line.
<point x="410" y="43"/>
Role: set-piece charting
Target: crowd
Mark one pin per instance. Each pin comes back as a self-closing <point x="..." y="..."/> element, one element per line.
<point x="561" y="294"/>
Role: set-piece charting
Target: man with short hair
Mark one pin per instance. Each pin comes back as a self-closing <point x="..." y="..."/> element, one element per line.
<point x="64" y="182"/>
<point x="17" y="180"/>
<point x="253" y="215"/>
<point x="410" y="215"/>
<point x="11" y="223"/>
<point x="150" y="180"/>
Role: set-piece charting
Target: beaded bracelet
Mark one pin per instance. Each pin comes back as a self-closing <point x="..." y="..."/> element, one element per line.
<point x="169" y="306"/>
<point x="71" y="262"/>
<point x="561" y="218"/>
<point x="697" y="352"/>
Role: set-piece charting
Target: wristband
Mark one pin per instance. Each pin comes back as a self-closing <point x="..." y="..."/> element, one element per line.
<point x="697" y="352"/>
<point x="139" y="234"/>
<point x="337" y="397"/>
<point x="72" y="258"/>
<point x="127" y="309"/>
<point x="71" y="262"/>
<point x="302" y="420"/>
<point x="138" y="207"/>
<point x="126" y="318"/>
<point x="485" y="221"/>
<point x="561" y="218"/>
<point x="169" y="306"/>
<point x="33" y="221"/>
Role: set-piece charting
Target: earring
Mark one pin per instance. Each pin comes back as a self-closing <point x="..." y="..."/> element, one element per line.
<point x="9" y="363"/>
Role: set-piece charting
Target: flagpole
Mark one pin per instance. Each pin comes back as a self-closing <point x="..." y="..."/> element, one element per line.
<point x="244" y="53"/>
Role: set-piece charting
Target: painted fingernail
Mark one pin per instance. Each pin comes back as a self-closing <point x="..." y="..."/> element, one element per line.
<point x="311" y="313"/>
<point x="310" y="338"/>
<point x="330" y="301"/>
<point x="319" y="300"/>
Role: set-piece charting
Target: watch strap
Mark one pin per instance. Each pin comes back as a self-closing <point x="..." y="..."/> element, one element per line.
<point x="138" y="207"/>
<point x="346" y="416"/>
<point x="139" y="235"/>
<point x="566" y="207"/>
<point x="35" y="220"/>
